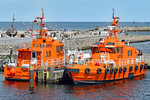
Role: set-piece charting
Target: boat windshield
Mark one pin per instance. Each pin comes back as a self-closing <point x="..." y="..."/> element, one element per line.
<point x="110" y="49"/>
<point x="95" y="50"/>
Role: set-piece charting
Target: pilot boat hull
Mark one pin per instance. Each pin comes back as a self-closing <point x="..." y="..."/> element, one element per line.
<point x="111" y="60"/>
<point x="17" y="74"/>
<point x="79" y="75"/>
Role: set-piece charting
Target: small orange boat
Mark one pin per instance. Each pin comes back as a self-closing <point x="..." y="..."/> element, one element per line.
<point x="111" y="60"/>
<point x="44" y="53"/>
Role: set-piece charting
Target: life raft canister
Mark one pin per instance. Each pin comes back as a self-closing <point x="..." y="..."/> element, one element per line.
<point x="87" y="70"/>
<point x="136" y="67"/>
<point x="124" y="69"/>
<point x="141" y="67"/>
<point x="111" y="70"/>
<point x="99" y="71"/>
<point x="145" y="66"/>
<point x="106" y="70"/>
<point x="120" y="70"/>
<point x="131" y="68"/>
<point x="97" y="64"/>
<point x="116" y="70"/>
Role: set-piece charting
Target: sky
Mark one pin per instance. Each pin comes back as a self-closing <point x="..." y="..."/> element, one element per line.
<point x="76" y="10"/>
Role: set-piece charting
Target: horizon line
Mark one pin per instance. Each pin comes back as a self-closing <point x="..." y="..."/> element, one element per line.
<point x="84" y="21"/>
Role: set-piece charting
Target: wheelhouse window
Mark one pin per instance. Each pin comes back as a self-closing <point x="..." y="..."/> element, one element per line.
<point x="61" y="48"/>
<point x="33" y="55"/>
<point x="95" y="50"/>
<point x="41" y="45"/>
<point x="110" y="43"/>
<point x="131" y="53"/>
<point x="48" y="45"/>
<point x="128" y="53"/>
<point x="111" y="50"/>
<point x="117" y="49"/>
<point x="48" y="54"/>
<point x="121" y="50"/>
<point x="35" y="45"/>
<point x="57" y="48"/>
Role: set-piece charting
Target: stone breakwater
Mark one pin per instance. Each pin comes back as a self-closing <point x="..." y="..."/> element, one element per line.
<point x="129" y="29"/>
<point x="83" y="42"/>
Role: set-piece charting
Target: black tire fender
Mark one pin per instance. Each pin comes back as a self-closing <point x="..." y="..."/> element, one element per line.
<point x="106" y="70"/>
<point x="111" y="70"/>
<point x="116" y="70"/>
<point x="99" y="71"/>
<point x="136" y="67"/>
<point x="141" y="66"/>
<point x="124" y="69"/>
<point x="120" y="70"/>
<point x="87" y="70"/>
<point x="130" y="68"/>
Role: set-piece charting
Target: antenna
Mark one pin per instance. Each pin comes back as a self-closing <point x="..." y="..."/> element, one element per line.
<point x="115" y="22"/>
<point x="113" y="13"/>
<point x="12" y="25"/>
<point x="115" y="19"/>
<point x="40" y="23"/>
<point x="42" y="12"/>
<point x="13" y="17"/>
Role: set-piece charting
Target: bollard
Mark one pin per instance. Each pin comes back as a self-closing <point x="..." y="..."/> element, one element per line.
<point x="31" y="78"/>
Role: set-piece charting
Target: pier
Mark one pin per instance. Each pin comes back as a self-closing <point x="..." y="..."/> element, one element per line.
<point x="130" y="29"/>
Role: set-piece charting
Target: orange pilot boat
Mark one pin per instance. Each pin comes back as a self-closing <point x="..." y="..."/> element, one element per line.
<point x="44" y="53"/>
<point x="111" y="60"/>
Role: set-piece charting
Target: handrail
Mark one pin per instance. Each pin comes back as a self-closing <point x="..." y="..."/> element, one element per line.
<point x="39" y="63"/>
<point x="130" y="61"/>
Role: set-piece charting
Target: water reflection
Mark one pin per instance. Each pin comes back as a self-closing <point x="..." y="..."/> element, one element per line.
<point x="123" y="89"/>
<point x="112" y="90"/>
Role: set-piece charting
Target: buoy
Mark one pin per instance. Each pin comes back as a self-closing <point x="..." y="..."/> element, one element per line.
<point x="87" y="70"/>
<point x="99" y="71"/>
<point x="12" y="71"/>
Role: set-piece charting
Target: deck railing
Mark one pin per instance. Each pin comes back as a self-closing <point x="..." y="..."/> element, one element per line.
<point x="38" y="63"/>
<point x="123" y="62"/>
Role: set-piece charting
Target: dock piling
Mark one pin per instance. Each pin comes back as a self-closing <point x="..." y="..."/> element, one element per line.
<point x="31" y="77"/>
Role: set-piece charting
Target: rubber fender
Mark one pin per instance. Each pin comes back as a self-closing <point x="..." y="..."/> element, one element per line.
<point x="106" y="70"/>
<point x="87" y="70"/>
<point x="120" y="70"/>
<point x="99" y="71"/>
<point x="131" y="68"/>
<point x="136" y="67"/>
<point x="141" y="67"/>
<point x="124" y="69"/>
<point x="111" y="70"/>
<point x="116" y="70"/>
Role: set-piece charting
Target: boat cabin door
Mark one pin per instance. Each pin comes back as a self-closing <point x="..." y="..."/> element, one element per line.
<point x="33" y="57"/>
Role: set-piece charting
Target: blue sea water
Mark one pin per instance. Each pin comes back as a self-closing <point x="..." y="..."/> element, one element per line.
<point x="21" y="26"/>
